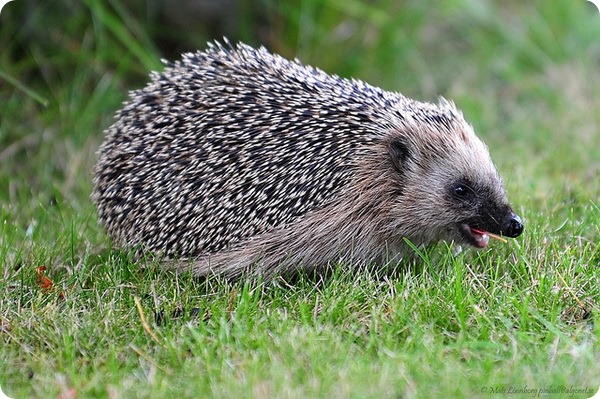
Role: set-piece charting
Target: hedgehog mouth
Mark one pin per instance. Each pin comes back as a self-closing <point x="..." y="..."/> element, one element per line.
<point x="477" y="237"/>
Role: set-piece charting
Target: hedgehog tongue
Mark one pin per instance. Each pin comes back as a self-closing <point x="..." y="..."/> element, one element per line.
<point x="477" y="238"/>
<point x="481" y="237"/>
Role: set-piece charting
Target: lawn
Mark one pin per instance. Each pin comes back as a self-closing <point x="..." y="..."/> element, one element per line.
<point x="516" y="320"/>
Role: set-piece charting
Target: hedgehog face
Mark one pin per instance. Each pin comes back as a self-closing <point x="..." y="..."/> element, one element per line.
<point x="476" y="194"/>
<point x="450" y="188"/>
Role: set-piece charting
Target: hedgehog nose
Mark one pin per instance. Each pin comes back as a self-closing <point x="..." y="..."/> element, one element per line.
<point x="515" y="226"/>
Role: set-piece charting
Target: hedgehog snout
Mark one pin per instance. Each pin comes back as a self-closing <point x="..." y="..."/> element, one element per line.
<point x="514" y="226"/>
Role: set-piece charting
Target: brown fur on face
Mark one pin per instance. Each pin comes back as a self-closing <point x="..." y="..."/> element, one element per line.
<point x="445" y="152"/>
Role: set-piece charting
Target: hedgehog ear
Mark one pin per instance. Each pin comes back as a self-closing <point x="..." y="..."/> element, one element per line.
<point x="399" y="153"/>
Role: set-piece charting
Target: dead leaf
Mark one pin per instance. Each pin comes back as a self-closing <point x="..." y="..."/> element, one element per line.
<point x="45" y="283"/>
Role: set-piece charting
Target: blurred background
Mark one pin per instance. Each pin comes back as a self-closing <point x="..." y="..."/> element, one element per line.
<point x="526" y="74"/>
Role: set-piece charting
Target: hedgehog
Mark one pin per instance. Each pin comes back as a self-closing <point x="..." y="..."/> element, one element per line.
<point x="237" y="162"/>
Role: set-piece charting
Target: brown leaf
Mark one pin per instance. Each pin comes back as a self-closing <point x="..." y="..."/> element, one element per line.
<point x="45" y="283"/>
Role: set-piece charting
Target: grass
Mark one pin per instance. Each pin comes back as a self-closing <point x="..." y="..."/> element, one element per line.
<point x="502" y="322"/>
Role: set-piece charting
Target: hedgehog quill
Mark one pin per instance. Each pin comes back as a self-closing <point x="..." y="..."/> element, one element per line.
<point x="235" y="161"/>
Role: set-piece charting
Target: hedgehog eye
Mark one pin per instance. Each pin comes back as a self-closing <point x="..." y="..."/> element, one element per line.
<point x="461" y="190"/>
